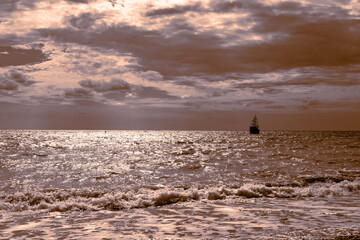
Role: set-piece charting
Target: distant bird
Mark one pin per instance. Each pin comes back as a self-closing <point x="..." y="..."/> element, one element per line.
<point x="114" y="2"/>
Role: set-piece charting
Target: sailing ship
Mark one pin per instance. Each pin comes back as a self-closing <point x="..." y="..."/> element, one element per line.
<point x="254" y="127"/>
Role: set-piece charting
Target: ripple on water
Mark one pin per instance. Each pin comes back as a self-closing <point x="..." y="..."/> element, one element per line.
<point x="178" y="184"/>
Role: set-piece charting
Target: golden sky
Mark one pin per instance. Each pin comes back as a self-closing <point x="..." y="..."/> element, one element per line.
<point x="179" y="64"/>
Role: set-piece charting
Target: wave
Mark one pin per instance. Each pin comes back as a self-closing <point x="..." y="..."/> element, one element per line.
<point x="60" y="200"/>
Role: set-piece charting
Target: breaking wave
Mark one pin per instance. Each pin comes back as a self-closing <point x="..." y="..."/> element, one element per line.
<point x="56" y="200"/>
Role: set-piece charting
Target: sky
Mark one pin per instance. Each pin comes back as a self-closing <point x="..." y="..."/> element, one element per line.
<point x="180" y="64"/>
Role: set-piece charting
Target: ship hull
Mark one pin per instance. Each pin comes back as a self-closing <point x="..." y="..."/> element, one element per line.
<point x="254" y="130"/>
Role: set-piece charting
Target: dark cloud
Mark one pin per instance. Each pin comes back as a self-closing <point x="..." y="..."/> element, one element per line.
<point x="116" y="95"/>
<point x="75" y="96"/>
<point x="7" y="6"/>
<point x="177" y="25"/>
<point x="114" y="84"/>
<point x="215" y="6"/>
<point x="37" y="45"/>
<point x="300" y="44"/>
<point x="151" y="76"/>
<point x="84" y="20"/>
<point x="289" y="17"/>
<point x="207" y="103"/>
<point x="78" y="1"/>
<point x="8" y="85"/>
<point x="152" y="92"/>
<point x="12" y="80"/>
<point x="272" y="91"/>
<point x="186" y="82"/>
<point x="11" y="56"/>
<point x="181" y="54"/>
<point x="179" y="9"/>
<point x="29" y="3"/>
<point x="78" y="93"/>
<point x="115" y="89"/>
<point x="118" y="89"/>
<point x="11" y="39"/>
<point x="301" y="38"/>
<point x="226" y="6"/>
<point x="20" y="78"/>
<point x="323" y="43"/>
<point x="213" y="93"/>
<point x="337" y="76"/>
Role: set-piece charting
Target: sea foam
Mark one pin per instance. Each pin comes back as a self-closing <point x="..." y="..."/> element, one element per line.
<point x="157" y="196"/>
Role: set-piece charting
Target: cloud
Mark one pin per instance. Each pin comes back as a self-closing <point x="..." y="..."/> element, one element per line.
<point x="92" y="92"/>
<point x="310" y="76"/>
<point x="275" y="107"/>
<point x="78" y="93"/>
<point x="178" y="9"/>
<point x="12" y="80"/>
<point x="151" y="76"/>
<point x="114" y="84"/>
<point x="84" y="20"/>
<point x="152" y="92"/>
<point x="10" y="39"/>
<point x="302" y="36"/>
<point x="183" y="53"/>
<point x="272" y="90"/>
<point x="215" y="6"/>
<point x="294" y="36"/>
<point x="11" y="56"/>
<point x="311" y="104"/>
<point x="253" y="102"/>
<point x="118" y="89"/>
<point x="8" y="85"/>
<point x="226" y="6"/>
<point x="78" y="1"/>
<point x="8" y="5"/>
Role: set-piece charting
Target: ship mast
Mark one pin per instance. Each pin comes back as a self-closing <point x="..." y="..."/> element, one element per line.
<point x="254" y="122"/>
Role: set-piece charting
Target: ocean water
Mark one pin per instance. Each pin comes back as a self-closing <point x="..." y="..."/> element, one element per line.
<point x="179" y="185"/>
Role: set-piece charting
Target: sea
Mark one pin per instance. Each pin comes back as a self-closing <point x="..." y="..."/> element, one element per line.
<point x="179" y="185"/>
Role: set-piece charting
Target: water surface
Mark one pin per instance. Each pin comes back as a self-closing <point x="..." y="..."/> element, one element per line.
<point x="179" y="184"/>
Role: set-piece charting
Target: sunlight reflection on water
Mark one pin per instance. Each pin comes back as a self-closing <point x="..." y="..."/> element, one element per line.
<point x="179" y="184"/>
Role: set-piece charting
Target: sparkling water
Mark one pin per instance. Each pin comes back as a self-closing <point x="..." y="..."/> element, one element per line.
<point x="179" y="184"/>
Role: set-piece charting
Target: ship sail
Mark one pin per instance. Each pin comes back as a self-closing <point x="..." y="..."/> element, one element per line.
<point x="254" y="126"/>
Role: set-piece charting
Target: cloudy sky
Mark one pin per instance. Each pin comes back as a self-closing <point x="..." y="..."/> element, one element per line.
<point x="180" y="64"/>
